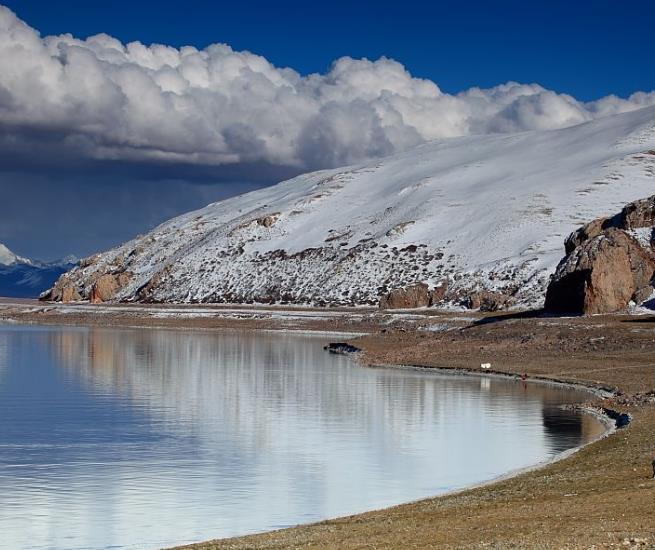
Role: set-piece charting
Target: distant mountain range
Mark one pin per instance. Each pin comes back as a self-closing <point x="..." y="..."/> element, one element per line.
<point x="24" y="278"/>
<point x="455" y="216"/>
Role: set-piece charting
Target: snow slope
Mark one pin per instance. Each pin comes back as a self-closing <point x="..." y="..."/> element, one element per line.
<point x="484" y="212"/>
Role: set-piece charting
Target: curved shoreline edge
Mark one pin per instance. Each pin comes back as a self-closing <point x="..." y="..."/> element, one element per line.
<point x="611" y="419"/>
<point x="608" y="418"/>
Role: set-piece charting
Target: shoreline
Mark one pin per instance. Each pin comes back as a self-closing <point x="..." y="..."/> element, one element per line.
<point x="610" y="427"/>
<point x="598" y="493"/>
<point x="598" y="392"/>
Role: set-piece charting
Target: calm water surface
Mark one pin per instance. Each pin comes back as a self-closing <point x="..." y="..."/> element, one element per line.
<point x="145" y="438"/>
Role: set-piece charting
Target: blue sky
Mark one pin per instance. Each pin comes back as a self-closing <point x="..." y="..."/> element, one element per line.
<point x="586" y="48"/>
<point x="101" y="140"/>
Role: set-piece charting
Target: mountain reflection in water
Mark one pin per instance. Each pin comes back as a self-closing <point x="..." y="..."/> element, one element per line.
<point x="140" y="438"/>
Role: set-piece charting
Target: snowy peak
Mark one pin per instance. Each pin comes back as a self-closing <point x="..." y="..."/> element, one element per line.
<point x="475" y="213"/>
<point x="7" y="257"/>
<point x="24" y="278"/>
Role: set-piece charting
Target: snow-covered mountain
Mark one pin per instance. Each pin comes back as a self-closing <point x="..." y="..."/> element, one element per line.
<point x="24" y="278"/>
<point x="486" y="212"/>
<point x="7" y="257"/>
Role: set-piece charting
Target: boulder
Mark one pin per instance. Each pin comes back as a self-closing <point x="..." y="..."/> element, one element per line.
<point x="635" y="215"/>
<point x="601" y="275"/>
<point x="605" y="267"/>
<point x="638" y="214"/>
<point x="103" y="289"/>
<point x="409" y="297"/>
<point x="341" y="348"/>
<point x="586" y="232"/>
<point x="268" y="221"/>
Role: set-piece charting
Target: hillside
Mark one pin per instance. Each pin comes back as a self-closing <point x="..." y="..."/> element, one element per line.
<point x="485" y="212"/>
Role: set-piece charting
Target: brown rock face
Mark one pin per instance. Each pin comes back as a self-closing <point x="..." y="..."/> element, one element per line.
<point x="103" y="289"/>
<point x="409" y="297"/>
<point x="438" y="295"/>
<point x="634" y="215"/>
<point x="638" y="214"/>
<point x="488" y="301"/>
<point x="605" y="267"/>
<point x="586" y="232"/>
<point x="64" y="290"/>
<point x="107" y="286"/>
<point x="70" y="294"/>
<point x="601" y="275"/>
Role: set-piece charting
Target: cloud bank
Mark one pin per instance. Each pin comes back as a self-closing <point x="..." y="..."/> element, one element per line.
<point x="103" y="100"/>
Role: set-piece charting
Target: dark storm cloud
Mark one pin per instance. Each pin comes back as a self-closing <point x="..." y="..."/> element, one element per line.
<point x="47" y="218"/>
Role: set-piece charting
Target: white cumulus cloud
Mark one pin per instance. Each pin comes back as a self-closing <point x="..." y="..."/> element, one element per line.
<point x="104" y="99"/>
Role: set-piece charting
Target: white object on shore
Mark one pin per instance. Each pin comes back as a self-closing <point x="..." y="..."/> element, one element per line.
<point x="485" y="365"/>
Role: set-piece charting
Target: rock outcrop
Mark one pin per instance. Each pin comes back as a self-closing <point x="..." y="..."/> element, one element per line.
<point x="414" y="296"/>
<point x="268" y="221"/>
<point x="62" y="291"/>
<point x="638" y="214"/>
<point x="70" y="294"/>
<point x="438" y="294"/>
<point x="586" y="233"/>
<point x="103" y="287"/>
<point x="486" y="300"/>
<point x="341" y="348"/>
<point x="610" y="262"/>
<point x="409" y="297"/>
<point x="106" y="286"/>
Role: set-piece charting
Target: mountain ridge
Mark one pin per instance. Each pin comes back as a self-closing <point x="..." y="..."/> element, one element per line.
<point x="26" y="278"/>
<point x="7" y="257"/>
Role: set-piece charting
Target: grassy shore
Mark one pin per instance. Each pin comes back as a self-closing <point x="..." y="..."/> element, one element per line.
<point x="600" y="497"/>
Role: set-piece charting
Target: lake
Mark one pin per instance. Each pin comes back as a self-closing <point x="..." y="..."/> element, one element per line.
<point x="143" y="438"/>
